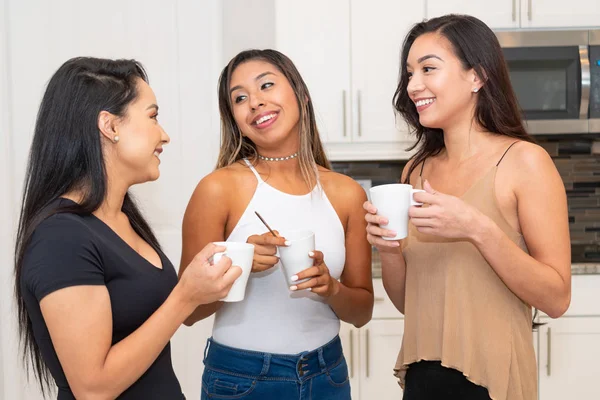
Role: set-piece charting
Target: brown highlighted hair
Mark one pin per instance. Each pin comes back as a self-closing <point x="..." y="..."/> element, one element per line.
<point x="234" y="146"/>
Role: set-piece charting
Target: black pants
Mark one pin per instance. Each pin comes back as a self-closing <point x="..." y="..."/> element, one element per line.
<point x="429" y="380"/>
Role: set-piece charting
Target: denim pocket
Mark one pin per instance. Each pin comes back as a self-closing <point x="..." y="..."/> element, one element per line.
<point x="219" y="385"/>
<point x="338" y="375"/>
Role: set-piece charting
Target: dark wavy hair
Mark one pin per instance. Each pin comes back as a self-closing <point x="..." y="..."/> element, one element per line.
<point x="476" y="46"/>
<point x="66" y="155"/>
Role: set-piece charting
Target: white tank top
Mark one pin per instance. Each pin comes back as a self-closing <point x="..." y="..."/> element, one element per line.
<point x="271" y="318"/>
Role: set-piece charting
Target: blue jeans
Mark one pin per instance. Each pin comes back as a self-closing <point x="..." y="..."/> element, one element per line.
<point x="231" y="373"/>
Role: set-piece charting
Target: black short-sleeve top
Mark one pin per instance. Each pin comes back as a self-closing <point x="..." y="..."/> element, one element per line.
<point x="70" y="250"/>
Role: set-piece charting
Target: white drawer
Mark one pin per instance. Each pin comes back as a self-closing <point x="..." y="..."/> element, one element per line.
<point x="383" y="309"/>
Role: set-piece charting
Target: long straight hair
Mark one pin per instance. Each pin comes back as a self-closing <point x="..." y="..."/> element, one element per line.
<point x="234" y="146"/>
<point x="66" y="155"/>
<point x="476" y="46"/>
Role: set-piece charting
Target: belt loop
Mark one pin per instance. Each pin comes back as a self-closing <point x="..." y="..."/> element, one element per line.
<point x="322" y="363"/>
<point x="208" y="342"/>
<point x="266" y="364"/>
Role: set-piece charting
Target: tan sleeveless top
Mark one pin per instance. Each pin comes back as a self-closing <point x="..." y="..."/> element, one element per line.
<point x="459" y="312"/>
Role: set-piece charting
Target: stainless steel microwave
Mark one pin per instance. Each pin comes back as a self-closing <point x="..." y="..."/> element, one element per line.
<point x="556" y="76"/>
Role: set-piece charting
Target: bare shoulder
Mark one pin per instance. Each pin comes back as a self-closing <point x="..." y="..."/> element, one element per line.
<point x="528" y="158"/>
<point x="217" y="185"/>
<point x="340" y="185"/>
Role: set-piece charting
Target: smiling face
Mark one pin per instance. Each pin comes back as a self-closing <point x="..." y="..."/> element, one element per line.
<point x="439" y="86"/>
<point x="136" y="156"/>
<point x="265" y="107"/>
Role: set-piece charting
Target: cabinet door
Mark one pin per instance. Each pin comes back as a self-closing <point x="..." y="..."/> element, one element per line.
<point x="378" y="30"/>
<point x="380" y="343"/>
<point x="315" y="35"/>
<point x="349" y="338"/>
<point x="496" y="14"/>
<point x="569" y="351"/>
<point x="559" y="13"/>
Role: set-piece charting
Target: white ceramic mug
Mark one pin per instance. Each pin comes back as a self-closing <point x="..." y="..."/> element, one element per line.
<point x="294" y="258"/>
<point x="241" y="255"/>
<point x="393" y="201"/>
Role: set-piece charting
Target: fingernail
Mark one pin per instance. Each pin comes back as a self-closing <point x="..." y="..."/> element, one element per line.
<point x="287" y="242"/>
<point x="292" y="288"/>
<point x="309" y="289"/>
<point x="294" y="278"/>
<point x="311" y="253"/>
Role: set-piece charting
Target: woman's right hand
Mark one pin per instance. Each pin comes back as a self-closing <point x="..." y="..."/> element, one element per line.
<point x="265" y="250"/>
<point x="203" y="282"/>
<point x="375" y="233"/>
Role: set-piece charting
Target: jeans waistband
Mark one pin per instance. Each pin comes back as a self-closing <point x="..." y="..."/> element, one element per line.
<point x="261" y="365"/>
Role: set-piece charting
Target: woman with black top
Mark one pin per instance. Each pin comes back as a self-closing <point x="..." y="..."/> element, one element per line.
<point x="98" y="300"/>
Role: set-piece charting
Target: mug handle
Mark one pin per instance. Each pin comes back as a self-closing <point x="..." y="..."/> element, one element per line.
<point x="412" y="200"/>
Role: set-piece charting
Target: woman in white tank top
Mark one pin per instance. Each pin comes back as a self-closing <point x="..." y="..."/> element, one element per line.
<point x="280" y="342"/>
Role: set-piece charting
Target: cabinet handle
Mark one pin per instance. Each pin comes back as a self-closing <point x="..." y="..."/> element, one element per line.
<point x="514" y="10"/>
<point x="359" y="106"/>
<point x="344" y="111"/>
<point x="351" y="353"/>
<point x="549" y="364"/>
<point x="379" y="299"/>
<point x="367" y="348"/>
<point x="529" y="9"/>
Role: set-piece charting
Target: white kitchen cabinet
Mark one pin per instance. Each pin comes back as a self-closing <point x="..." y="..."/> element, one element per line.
<point x="349" y="336"/>
<point x="559" y="13"/>
<point x="569" y="350"/>
<point x="348" y="53"/>
<point x="380" y="343"/>
<point x="507" y="14"/>
<point x="496" y="14"/>
<point x="378" y="28"/>
<point x="319" y="45"/>
<point x="371" y="353"/>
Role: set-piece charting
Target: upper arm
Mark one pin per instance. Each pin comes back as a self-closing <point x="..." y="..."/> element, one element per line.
<point x="64" y="272"/>
<point x="542" y="209"/>
<point x="357" y="269"/>
<point x="205" y="217"/>
<point x="79" y="321"/>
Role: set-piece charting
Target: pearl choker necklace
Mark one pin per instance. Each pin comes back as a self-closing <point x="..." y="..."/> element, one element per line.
<point x="278" y="158"/>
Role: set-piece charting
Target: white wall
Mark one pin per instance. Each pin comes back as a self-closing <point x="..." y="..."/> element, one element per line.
<point x="179" y="43"/>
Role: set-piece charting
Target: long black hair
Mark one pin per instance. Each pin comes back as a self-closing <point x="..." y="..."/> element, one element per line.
<point x="65" y="156"/>
<point x="476" y="46"/>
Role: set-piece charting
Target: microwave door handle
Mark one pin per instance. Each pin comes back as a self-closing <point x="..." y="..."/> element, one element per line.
<point x="584" y="59"/>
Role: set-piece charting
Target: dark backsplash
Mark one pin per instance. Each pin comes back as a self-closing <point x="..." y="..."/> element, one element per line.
<point x="578" y="162"/>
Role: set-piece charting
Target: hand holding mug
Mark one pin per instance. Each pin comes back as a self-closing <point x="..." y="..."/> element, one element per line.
<point x="316" y="278"/>
<point x="203" y="283"/>
<point x="375" y="233"/>
<point x="446" y="216"/>
<point x="265" y="250"/>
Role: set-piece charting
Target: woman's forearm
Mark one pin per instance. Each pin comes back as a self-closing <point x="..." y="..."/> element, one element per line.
<point x="352" y="305"/>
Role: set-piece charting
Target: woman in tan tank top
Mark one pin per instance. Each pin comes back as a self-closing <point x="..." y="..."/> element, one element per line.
<point x="492" y="240"/>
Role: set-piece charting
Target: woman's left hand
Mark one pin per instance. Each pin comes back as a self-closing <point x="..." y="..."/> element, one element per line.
<point x="446" y="216"/>
<point x="319" y="281"/>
